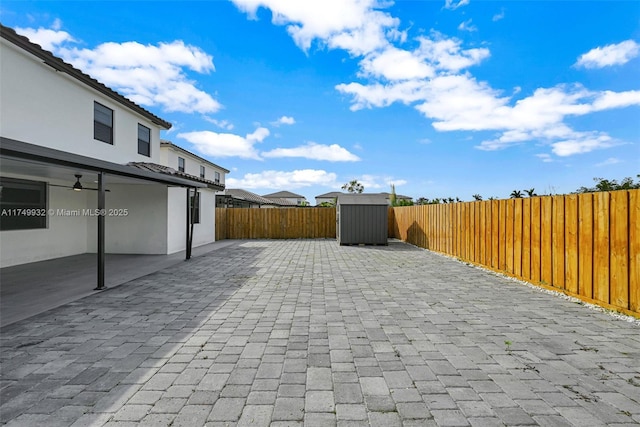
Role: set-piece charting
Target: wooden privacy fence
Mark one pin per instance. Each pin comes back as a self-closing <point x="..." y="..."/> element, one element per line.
<point x="586" y="245"/>
<point x="275" y="223"/>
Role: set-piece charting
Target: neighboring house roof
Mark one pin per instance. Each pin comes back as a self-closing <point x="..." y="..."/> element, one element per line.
<point x="398" y="196"/>
<point x="331" y="194"/>
<point x="248" y="196"/>
<point x="282" y="202"/>
<point x="13" y="149"/>
<point x="59" y="65"/>
<point x="165" y="143"/>
<point x="284" y="194"/>
<point x="154" y="167"/>
<point x="238" y="193"/>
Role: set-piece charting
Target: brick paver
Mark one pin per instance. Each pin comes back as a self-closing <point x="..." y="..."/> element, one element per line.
<point x="306" y="332"/>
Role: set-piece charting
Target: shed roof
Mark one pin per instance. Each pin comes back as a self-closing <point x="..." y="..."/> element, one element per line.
<point x="362" y="199"/>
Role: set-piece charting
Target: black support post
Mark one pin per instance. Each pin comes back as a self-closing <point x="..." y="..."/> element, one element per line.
<point x="188" y="229"/>
<point x="101" y="230"/>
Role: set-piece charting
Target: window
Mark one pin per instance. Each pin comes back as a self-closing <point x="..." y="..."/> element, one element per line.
<point x="102" y="123"/>
<point x="23" y="204"/>
<point x="195" y="207"/>
<point x="180" y="164"/>
<point x="201" y="171"/>
<point x="217" y="176"/>
<point x="144" y="140"/>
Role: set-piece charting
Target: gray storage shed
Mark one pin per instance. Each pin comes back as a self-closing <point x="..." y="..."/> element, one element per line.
<point x="362" y="219"/>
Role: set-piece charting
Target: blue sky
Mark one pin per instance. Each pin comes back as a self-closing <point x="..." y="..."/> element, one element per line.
<point x="443" y="98"/>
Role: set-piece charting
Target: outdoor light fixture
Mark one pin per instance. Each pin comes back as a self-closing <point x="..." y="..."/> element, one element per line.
<point x="77" y="186"/>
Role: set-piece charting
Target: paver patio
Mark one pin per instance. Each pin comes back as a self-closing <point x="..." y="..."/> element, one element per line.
<point x="307" y="332"/>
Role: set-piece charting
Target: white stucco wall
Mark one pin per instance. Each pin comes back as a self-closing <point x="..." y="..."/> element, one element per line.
<point x="65" y="235"/>
<point x="142" y="230"/>
<point x="42" y="106"/>
<point x="203" y="233"/>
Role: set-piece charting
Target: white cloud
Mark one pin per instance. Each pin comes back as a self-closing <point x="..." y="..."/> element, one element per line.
<point x="610" y="161"/>
<point x="226" y="144"/>
<point x="150" y="75"/>
<point x="435" y="76"/>
<point x="284" y="120"/>
<point x="379" y="95"/>
<point x="498" y="16"/>
<point x="395" y="64"/>
<point x="258" y="135"/>
<point x="453" y="4"/>
<point x="379" y="182"/>
<point x="607" y="99"/>
<point x="433" y="54"/>
<point x="353" y="25"/>
<point x="447" y="53"/>
<point x="284" y="179"/>
<point x="456" y="102"/>
<point x="48" y="39"/>
<point x="222" y="124"/>
<point x="467" y="26"/>
<point x="332" y="153"/>
<point x="582" y="143"/>
<point x="546" y="158"/>
<point x="609" y="55"/>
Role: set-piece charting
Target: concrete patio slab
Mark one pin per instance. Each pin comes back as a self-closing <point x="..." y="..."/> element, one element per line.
<point x="307" y="332"/>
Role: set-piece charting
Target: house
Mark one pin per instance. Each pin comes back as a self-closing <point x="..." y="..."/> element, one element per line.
<point x="238" y="198"/>
<point x="330" y="197"/>
<point x="186" y="162"/>
<point x="294" y="198"/>
<point x="82" y="168"/>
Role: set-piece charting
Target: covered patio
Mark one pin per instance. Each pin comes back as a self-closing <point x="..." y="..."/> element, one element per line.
<point x="74" y="235"/>
<point x="33" y="288"/>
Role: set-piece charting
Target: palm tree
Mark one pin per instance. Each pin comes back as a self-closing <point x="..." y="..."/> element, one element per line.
<point x="516" y="194"/>
<point x="353" y="187"/>
<point x="392" y="197"/>
<point x="531" y="192"/>
<point x="477" y="197"/>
